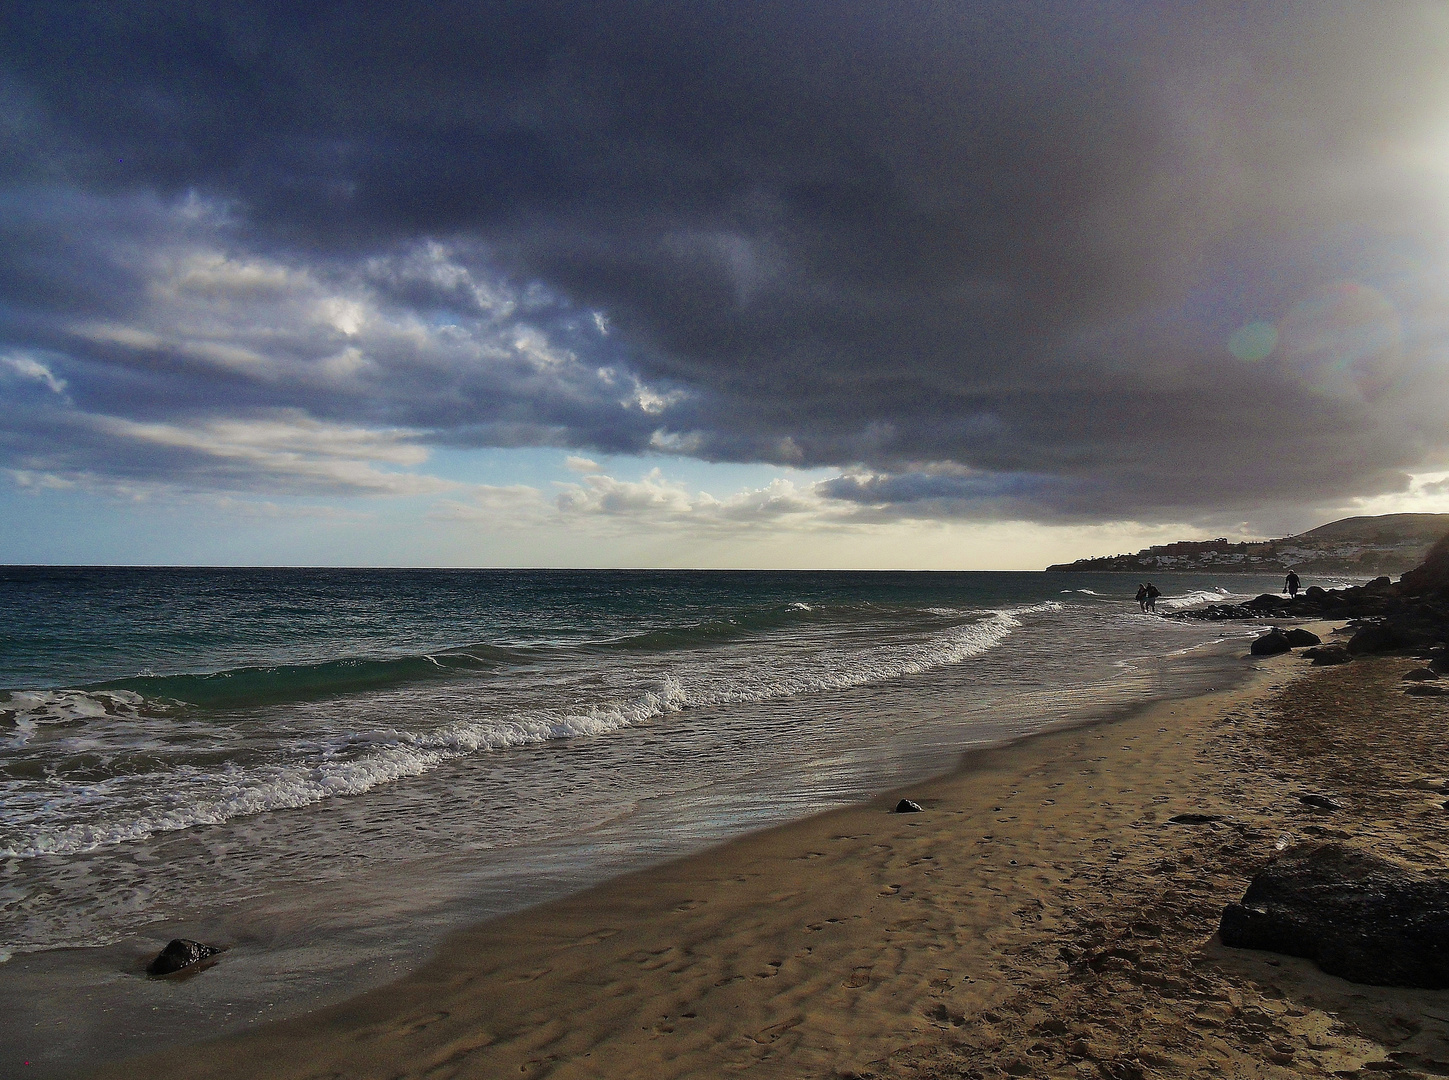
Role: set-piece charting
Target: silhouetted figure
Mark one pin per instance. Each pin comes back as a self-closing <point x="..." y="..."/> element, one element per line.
<point x="1152" y="595"/>
<point x="1290" y="585"/>
<point x="1142" y="597"/>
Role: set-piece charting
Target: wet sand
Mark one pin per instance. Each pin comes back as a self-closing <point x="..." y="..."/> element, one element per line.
<point x="1042" y="917"/>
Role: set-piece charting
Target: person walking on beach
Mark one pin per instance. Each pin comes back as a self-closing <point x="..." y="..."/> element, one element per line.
<point x="1152" y="595"/>
<point x="1290" y="585"/>
<point x="1142" y="597"/>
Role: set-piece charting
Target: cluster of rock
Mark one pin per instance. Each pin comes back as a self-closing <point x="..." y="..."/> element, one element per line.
<point x="1356" y="601"/>
<point x="1411" y="616"/>
<point x="1352" y="912"/>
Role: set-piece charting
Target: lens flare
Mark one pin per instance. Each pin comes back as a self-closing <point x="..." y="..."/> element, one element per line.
<point x="1253" y="341"/>
<point x="1344" y="341"/>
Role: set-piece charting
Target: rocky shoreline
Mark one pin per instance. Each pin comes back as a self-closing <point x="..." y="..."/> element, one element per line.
<point x="1410" y="616"/>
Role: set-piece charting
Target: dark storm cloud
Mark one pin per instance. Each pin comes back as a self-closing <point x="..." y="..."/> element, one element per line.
<point x="1079" y="261"/>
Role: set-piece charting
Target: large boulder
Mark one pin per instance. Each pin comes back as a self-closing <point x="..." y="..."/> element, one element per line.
<point x="1323" y="655"/>
<point x="1299" y="637"/>
<point x="1381" y="637"/>
<point x="1354" y="914"/>
<point x="1270" y="644"/>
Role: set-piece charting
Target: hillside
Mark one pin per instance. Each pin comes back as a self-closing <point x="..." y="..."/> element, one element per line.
<point x="1359" y="546"/>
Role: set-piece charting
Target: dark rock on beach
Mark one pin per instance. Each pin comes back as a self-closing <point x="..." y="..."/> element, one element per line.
<point x="1194" y="819"/>
<point x="1356" y="915"/>
<point x="1270" y="644"/>
<point x="1215" y="613"/>
<point x="905" y="806"/>
<point x="1267" y="602"/>
<point x="1299" y="637"/>
<point x="1388" y="636"/>
<point x="179" y="954"/>
<point x="1419" y="674"/>
<point x="1323" y="655"/>
<point x="1424" y="689"/>
<point x="1319" y="802"/>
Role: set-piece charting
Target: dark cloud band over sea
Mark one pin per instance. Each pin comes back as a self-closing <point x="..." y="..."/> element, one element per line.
<point x="1030" y="261"/>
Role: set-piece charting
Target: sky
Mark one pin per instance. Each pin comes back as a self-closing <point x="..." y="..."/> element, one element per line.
<point x="780" y="284"/>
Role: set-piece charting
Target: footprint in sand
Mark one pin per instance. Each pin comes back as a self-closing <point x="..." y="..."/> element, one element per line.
<point x="774" y="1031"/>
<point x="858" y="978"/>
<point x="596" y="936"/>
<point x="404" y="1028"/>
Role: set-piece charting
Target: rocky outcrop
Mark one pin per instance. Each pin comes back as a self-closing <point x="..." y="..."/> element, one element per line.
<point x="1374" y="599"/>
<point x="1354" y="914"/>
<point x="1430" y="576"/>
<point x="1410" y="617"/>
<point x="1299" y="637"/>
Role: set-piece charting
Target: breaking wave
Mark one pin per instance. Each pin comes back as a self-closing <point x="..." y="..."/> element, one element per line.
<point x="83" y="815"/>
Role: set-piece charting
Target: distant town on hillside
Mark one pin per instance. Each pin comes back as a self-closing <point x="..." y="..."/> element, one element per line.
<point x="1359" y="546"/>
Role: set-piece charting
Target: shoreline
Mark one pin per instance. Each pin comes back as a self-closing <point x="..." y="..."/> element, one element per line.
<point x="297" y="950"/>
<point x="816" y="947"/>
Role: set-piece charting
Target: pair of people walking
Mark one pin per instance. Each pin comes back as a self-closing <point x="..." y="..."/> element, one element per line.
<point x="1147" y="597"/>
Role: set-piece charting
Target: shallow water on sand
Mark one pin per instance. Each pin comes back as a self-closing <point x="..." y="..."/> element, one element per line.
<point x="328" y="770"/>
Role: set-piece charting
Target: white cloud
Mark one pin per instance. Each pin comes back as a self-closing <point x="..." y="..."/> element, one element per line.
<point x="653" y="497"/>
<point x="28" y="367"/>
<point x="287" y="447"/>
<point x="652" y="401"/>
<point x="655" y="501"/>
<point x="33" y="480"/>
<point x="512" y="506"/>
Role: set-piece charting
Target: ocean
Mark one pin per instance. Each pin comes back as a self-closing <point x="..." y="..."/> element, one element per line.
<point x="328" y="770"/>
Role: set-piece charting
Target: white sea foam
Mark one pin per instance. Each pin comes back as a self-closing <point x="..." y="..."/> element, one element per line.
<point x="357" y="762"/>
<point x="1200" y="596"/>
<point x="29" y="710"/>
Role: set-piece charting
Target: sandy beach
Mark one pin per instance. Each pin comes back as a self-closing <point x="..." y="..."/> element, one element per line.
<point x="1041" y="917"/>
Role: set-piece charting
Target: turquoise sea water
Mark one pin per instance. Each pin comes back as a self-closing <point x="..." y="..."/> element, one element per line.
<point x="374" y="756"/>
